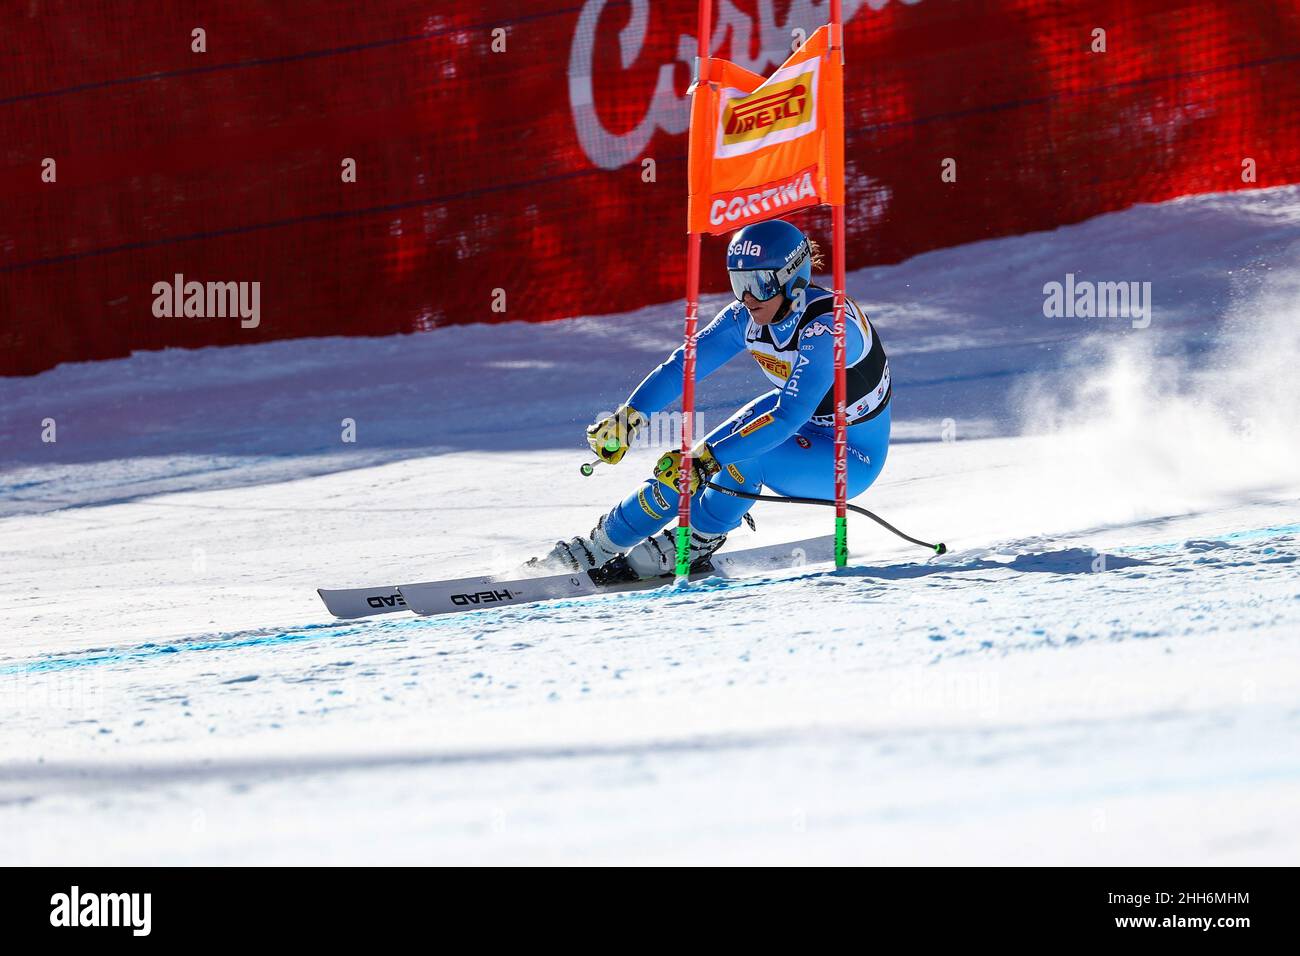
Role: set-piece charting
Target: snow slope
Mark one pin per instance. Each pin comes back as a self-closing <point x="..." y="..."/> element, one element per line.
<point x="1104" y="669"/>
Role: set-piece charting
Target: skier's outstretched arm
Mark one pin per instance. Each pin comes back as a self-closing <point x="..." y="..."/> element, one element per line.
<point x="715" y="344"/>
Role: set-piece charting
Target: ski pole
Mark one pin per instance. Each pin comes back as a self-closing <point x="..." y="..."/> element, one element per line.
<point x="939" y="548"/>
<point x="611" y="445"/>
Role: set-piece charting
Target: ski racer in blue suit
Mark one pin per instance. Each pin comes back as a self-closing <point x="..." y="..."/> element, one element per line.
<point x="783" y="439"/>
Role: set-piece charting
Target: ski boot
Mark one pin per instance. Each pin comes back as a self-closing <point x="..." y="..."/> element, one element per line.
<point x="656" y="557"/>
<point x="578" y="554"/>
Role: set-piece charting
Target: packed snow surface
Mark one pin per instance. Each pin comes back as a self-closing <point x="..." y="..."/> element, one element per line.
<point x="1105" y="668"/>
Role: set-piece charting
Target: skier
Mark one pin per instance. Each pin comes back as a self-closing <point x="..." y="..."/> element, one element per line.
<point x="783" y="439"/>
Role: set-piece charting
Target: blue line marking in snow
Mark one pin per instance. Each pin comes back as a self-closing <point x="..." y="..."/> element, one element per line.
<point x="144" y="651"/>
<point x="1254" y="534"/>
<point x="309" y="632"/>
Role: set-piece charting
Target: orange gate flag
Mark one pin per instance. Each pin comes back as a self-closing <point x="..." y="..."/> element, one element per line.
<point x="762" y="147"/>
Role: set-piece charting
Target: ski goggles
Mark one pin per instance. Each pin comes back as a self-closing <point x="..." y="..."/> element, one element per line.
<point x="762" y="284"/>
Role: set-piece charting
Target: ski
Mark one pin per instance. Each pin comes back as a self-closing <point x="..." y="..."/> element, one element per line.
<point x="362" y="602"/>
<point x="468" y="594"/>
<point x="486" y="591"/>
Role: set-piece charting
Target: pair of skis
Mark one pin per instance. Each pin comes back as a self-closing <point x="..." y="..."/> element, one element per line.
<point x="477" y="593"/>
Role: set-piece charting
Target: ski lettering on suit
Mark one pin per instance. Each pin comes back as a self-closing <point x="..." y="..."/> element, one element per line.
<point x="771" y="365"/>
<point x="659" y="497"/>
<point x="792" y="383"/>
<point x="761" y="422"/>
<point x="645" y="505"/>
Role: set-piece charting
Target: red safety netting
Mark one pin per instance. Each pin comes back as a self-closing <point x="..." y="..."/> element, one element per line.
<point x="522" y="170"/>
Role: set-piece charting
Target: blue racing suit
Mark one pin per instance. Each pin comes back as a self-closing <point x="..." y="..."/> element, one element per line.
<point x="784" y="438"/>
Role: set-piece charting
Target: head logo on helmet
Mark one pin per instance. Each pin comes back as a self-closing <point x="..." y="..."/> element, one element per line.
<point x="769" y="257"/>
